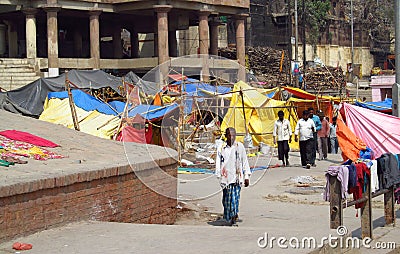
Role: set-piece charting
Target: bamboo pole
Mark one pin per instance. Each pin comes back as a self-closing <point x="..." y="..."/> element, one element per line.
<point x="244" y="113"/>
<point x="180" y="121"/>
<point x="71" y="103"/>
<point x="123" y="114"/>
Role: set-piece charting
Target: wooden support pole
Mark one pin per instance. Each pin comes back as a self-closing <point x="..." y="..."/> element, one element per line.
<point x="71" y="104"/>
<point x="366" y="213"/>
<point x="335" y="201"/>
<point x="389" y="207"/>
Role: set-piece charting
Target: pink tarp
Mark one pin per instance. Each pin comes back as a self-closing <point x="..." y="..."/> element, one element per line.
<point x="130" y="134"/>
<point x="379" y="131"/>
<point x="27" y="137"/>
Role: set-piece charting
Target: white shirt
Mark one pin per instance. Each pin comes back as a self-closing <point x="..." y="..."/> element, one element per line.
<point x="282" y="129"/>
<point x="332" y="132"/>
<point x="231" y="164"/>
<point x="304" y="128"/>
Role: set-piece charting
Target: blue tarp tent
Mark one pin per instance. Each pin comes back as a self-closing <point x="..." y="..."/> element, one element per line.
<point x="382" y="106"/>
<point x="85" y="101"/>
<point x="90" y="103"/>
<point x="151" y="112"/>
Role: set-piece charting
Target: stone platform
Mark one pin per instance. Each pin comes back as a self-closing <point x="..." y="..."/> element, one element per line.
<point x="95" y="181"/>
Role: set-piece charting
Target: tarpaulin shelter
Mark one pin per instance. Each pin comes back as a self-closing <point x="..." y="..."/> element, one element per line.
<point x="260" y="113"/>
<point x="301" y="94"/>
<point x="302" y="104"/>
<point x="379" y="131"/>
<point x="381" y="106"/>
<point x="148" y="87"/>
<point x="94" y="116"/>
<point x="29" y="100"/>
<point x="135" y="131"/>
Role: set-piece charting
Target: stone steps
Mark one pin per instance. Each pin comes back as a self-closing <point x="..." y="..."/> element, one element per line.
<point x="15" y="73"/>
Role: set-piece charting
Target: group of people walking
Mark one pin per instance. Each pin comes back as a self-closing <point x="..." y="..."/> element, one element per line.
<point x="313" y="132"/>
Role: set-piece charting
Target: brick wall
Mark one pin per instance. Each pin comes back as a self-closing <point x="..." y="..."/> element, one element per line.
<point x="114" y="194"/>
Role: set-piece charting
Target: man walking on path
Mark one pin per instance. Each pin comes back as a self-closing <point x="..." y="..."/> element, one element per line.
<point x="282" y="133"/>
<point x="332" y="136"/>
<point x="318" y="126"/>
<point x="305" y="128"/>
<point x="323" y="134"/>
<point x="232" y="169"/>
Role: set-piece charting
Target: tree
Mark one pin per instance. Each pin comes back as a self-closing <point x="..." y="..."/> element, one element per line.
<point x="315" y="17"/>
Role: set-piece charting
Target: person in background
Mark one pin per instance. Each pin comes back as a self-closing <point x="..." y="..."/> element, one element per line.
<point x="232" y="169"/>
<point x="318" y="126"/>
<point x="332" y="136"/>
<point x="283" y="134"/>
<point x="305" y="128"/>
<point x="323" y="135"/>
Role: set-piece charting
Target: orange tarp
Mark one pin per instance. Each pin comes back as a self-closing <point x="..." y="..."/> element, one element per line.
<point x="349" y="143"/>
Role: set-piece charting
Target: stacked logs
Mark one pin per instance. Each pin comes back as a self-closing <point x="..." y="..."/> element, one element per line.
<point x="264" y="62"/>
<point x="324" y="78"/>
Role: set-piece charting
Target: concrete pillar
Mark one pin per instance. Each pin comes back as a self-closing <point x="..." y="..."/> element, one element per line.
<point x="52" y="38"/>
<point x="204" y="42"/>
<point x="134" y="43"/>
<point x="240" y="45"/>
<point x="173" y="44"/>
<point x="30" y="20"/>
<point x="214" y="37"/>
<point x="162" y="32"/>
<point x="117" y="42"/>
<point x="78" y="43"/>
<point x="94" y="30"/>
<point x="203" y="31"/>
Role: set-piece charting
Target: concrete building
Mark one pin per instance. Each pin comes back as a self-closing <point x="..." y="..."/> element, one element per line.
<point x="54" y="35"/>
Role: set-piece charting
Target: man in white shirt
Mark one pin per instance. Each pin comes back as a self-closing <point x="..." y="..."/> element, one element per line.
<point x="232" y="168"/>
<point x="282" y="132"/>
<point x="332" y="136"/>
<point x="305" y="128"/>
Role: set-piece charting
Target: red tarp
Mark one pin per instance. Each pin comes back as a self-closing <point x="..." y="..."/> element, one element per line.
<point x="28" y="138"/>
<point x="130" y="134"/>
<point x="380" y="132"/>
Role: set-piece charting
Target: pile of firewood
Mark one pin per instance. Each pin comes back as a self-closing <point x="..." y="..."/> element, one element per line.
<point x="323" y="78"/>
<point x="264" y="62"/>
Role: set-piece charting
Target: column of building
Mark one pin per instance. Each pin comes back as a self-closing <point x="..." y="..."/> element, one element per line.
<point x="94" y="29"/>
<point x="204" y="42"/>
<point x="214" y="37"/>
<point x="30" y="30"/>
<point x="52" y="38"/>
<point x="240" y="45"/>
<point x="162" y="39"/>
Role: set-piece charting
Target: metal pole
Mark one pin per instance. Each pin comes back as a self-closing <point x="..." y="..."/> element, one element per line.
<point x="296" y="35"/>
<point x="304" y="36"/>
<point x="396" y="88"/>
<point x="352" y="40"/>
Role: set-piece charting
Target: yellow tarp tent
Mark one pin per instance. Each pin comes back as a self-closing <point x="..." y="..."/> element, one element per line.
<point x="261" y="114"/>
<point x="59" y="112"/>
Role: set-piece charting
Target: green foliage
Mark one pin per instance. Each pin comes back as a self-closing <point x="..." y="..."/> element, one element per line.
<point x="315" y="17"/>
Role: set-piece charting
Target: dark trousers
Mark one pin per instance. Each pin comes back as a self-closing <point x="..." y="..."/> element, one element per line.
<point x="314" y="148"/>
<point x="283" y="150"/>
<point x="306" y="149"/>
